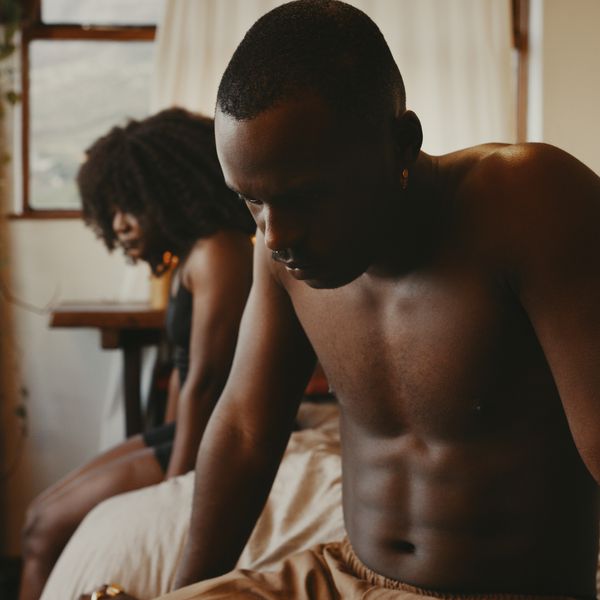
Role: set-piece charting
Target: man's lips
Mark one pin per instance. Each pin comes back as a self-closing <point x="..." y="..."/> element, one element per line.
<point x="295" y="265"/>
<point x="292" y="265"/>
<point x="300" y="270"/>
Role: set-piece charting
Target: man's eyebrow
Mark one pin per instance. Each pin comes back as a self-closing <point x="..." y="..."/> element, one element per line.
<point x="238" y="192"/>
<point x="228" y="185"/>
<point x="310" y="187"/>
<point x="302" y="189"/>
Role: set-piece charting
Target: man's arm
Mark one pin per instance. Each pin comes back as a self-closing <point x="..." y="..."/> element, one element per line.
<point x="249" y="429"/>
<point x="552" y="233"/>
<point x="219" y="280"/>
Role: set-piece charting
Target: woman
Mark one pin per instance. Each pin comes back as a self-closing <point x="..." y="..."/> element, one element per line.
<point x="155" y="189"/>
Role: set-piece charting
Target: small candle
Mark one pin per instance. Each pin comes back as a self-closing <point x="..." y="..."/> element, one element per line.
<point x="160" y="286"/>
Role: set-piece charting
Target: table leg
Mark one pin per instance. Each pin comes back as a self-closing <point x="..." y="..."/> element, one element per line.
<point x="133" y="400"/>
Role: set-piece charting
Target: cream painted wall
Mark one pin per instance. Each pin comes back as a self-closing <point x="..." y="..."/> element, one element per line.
<point x="73" y="387"/>
<point x="566" y="96"/>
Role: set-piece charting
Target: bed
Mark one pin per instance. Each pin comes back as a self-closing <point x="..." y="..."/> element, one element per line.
<point x="137" y="539"/>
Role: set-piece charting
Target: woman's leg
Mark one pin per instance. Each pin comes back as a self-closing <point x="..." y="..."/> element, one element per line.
<point x="133" y="444"/>
<point x="53" y="518"/>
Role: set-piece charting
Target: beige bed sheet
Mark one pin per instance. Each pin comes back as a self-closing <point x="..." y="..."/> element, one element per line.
<point x="136" y="539"/>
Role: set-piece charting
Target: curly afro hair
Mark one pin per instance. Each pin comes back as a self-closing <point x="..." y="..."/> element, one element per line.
<point x="165" y="171"/>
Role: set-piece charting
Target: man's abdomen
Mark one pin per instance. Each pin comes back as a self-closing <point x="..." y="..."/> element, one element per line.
<point x="512" y="510"/>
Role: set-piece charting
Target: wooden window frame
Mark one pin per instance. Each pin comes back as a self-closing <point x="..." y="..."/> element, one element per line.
<point x="34" y="29"/>
<point x="520" y="13"/>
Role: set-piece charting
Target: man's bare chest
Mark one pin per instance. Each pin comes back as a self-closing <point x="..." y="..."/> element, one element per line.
<point x="441" y="353"/>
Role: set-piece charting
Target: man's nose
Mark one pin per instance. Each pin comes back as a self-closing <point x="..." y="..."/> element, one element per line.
<point x="282" y="230"/>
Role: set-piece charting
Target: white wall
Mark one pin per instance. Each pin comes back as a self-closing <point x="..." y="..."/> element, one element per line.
<point x="72" y="385"/>
<point x="566" y="86"/>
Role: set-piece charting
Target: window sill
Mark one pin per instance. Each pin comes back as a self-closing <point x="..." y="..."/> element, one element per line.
<point x="45" y="214"/>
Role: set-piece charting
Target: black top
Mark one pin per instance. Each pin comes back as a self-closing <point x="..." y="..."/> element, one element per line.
<point x="179" y="322"/>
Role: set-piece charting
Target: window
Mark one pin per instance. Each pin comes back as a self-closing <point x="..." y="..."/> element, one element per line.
<point x="86" y="66"/>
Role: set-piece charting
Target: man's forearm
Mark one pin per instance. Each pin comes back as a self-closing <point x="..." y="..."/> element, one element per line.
<point x="233" y="480"/>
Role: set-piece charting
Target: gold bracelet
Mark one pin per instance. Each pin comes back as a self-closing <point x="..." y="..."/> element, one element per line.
<point x="107" y="591"/>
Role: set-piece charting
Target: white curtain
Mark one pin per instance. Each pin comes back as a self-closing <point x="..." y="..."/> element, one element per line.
<point x="455" y="56"/>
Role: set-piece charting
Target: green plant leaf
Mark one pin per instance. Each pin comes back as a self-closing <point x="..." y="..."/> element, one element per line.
<point x="12" y="97"/>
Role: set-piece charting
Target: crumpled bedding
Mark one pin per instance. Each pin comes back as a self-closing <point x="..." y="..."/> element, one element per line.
<point x="136" y="539"/>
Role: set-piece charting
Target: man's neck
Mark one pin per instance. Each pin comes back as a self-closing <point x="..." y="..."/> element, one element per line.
<point x="412" y="224"/>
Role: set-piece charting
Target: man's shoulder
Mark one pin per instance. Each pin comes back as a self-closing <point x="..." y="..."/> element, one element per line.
<point x="498" y="178"/>
<point x="507" y="164"/>
<point x="523" y="198"/>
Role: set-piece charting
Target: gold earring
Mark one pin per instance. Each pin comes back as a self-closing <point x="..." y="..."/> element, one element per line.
<point x="404" y="179"/>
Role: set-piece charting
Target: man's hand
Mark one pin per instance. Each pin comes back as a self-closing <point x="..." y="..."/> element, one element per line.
<point x="110" y="590"/>
<point x="120" y="596"/>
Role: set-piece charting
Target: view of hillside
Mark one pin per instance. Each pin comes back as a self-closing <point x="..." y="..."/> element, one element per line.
<point x="102" y="12"/>
<point x="79" y="89"/>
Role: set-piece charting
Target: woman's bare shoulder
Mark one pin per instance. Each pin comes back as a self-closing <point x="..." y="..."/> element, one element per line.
<point x="225" y="252"/>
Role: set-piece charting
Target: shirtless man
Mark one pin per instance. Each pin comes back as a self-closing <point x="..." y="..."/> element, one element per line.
<point x="453" y="303"/>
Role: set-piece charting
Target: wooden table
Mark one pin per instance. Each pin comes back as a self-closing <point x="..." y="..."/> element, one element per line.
<point x="128" y="326"/>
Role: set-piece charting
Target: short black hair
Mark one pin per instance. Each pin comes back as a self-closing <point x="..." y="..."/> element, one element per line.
<point x="324" y="46"/>
<point x="163" y="169"/>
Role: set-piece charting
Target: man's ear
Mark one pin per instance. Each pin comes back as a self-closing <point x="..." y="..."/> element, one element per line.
<point x="408" y="135"/>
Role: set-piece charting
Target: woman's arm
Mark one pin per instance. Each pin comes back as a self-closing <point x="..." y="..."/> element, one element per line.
<point x="249" y="430"/>
<point x="218" y="273"/>
<point x="172" y="396"/>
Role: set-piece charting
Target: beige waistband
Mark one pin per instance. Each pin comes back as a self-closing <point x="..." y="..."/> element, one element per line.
<point x="361" y="571"/>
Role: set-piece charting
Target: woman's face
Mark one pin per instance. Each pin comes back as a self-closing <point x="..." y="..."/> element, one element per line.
<point x="129" y="234"/>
